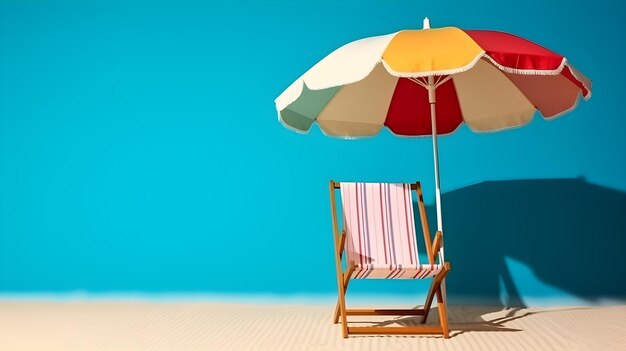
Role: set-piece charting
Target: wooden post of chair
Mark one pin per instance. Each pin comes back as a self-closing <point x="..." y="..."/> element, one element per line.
<point x="340" y="279"/>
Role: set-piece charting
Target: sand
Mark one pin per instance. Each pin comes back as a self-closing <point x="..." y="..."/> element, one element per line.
<point x="134" y="325"/>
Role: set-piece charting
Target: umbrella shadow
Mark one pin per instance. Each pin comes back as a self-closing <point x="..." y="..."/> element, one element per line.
<point x="569" y="232"/>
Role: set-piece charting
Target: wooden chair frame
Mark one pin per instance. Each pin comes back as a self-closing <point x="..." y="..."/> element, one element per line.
<point x="344" y="276"/>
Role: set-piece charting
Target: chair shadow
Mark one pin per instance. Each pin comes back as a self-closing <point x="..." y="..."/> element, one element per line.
<point x="466" y="319"/>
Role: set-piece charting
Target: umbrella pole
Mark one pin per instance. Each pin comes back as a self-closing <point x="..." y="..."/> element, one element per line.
<point x="433" y="121"/>
<point x="432" y="99"/>
<point x="432" y="87"/>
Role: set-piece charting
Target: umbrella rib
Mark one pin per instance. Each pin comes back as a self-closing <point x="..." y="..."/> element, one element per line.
<point x="443" y="80"/>
<point x="419" y="82"/>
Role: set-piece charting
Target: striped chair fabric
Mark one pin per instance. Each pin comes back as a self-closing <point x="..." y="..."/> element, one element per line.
<point x="380" y="232"/>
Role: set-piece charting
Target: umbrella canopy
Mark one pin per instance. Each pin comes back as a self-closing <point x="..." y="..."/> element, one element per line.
<point x="490" y="80"/>
<point x="487" y="79"/>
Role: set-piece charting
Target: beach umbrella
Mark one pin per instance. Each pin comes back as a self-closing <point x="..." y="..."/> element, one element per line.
<point x="429" y="82"/>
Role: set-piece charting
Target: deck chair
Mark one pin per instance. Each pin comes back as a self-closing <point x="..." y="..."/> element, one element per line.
<point x="379" y="239"/>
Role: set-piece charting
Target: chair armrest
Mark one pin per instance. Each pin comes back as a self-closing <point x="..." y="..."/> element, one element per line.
<point x="436" y="245"/>
<point x="348" y="273"/>
<point x="342" y="243"/>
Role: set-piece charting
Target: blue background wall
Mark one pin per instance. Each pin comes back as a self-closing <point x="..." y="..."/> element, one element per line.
<point x="140" y="152"/>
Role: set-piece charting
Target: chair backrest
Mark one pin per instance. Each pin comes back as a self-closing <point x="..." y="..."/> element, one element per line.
<point x="380" y="226"/>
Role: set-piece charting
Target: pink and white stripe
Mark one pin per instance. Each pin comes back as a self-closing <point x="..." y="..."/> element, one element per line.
<point x="380" y="229"/>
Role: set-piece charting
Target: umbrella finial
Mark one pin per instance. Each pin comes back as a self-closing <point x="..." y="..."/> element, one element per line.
<point x="426" y="23"/>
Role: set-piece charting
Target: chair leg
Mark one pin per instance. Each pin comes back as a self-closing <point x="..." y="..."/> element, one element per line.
<point x="443" y="314"/>
<point x="434" y="288"/>
<point x="343" y="314"/>
<point x="346" y="281"/>
<point x="337" y="306"/>
<point x="336" y="313"/>
<point x="429" y="300"/>
<point x="340" y="309"/>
